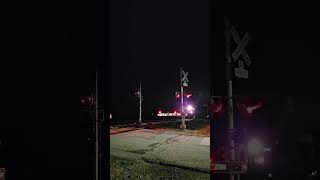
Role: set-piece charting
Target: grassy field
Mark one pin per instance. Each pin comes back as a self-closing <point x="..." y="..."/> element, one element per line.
<point x="122" y="169"/>
<point x="196" y="127"/>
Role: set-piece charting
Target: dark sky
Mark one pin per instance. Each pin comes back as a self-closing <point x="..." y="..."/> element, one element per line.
<point x="149" y="41"/>
<point x="283" y="43"/>
<point x="283" y="50"/>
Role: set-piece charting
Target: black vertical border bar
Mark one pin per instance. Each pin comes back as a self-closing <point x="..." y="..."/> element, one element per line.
<point x="105" y="133"/>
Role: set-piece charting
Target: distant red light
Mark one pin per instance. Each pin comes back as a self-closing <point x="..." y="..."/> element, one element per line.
<point x="216" y="107"/>
<point x="177" y="95"/>
<point x="213" y="157"/>
<point x="250" y="109"/>
<point x="189" y="95"/>
<point x="159" y="112"/>
<point x="83" y="101"/>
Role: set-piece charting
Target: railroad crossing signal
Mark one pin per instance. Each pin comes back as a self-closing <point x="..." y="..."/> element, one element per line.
<point x="184" y="79"/>
<point x="240" y="71"/>
<point x="183" y="83"/>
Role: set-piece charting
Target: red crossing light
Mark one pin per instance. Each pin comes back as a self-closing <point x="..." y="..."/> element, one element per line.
<point x="216" y="107"/>
<point x="250" y="109"/>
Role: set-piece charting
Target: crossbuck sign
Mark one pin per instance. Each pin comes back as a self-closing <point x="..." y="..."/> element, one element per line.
<point x="184" y="79"/>
<point x="240" y="71"/>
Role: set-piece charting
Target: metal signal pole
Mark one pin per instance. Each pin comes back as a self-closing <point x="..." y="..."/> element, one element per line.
<point x="97" y="128"/>
<point x="140" y="104"/>
<point x="229" y="93"/>
<point x="182" y="106"/>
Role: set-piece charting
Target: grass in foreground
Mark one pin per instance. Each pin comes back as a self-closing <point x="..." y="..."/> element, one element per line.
<point x="140" y="170"/>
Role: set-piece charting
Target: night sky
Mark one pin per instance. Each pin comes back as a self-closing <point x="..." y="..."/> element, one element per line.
<point x="283" y="44"/>
<point x="149" y="41"/>
<point x="283" y="50"/>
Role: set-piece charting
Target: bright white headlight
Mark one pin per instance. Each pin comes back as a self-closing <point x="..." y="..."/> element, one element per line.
<point x="189" y="108"/>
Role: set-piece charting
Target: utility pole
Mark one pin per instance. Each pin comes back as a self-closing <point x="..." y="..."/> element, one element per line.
<point x="140" y="104"/>
<point x="229" y="93"/>
<point x="97" y="128"/>
<point x="182" y="106"/>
